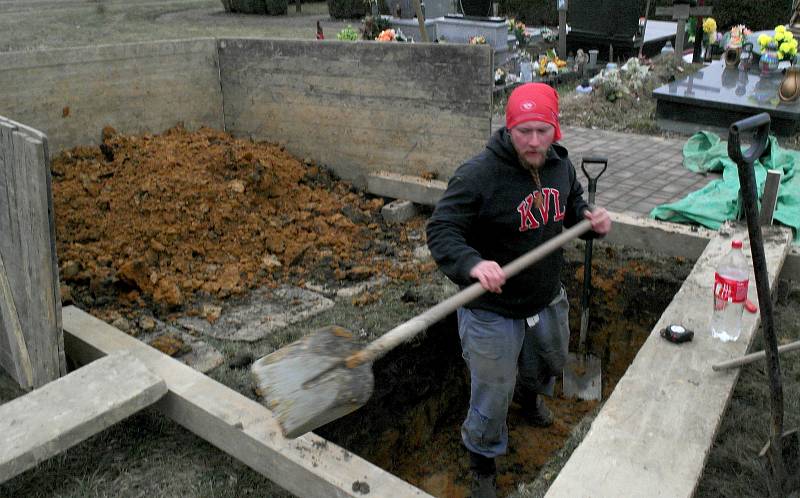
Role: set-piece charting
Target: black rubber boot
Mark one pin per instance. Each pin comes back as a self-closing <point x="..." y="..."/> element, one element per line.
<point x="484" y="476"/>
<point x="536" y="412"/>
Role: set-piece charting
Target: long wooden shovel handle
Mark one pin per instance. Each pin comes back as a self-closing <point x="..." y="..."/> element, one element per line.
<point x="409" y="329"/>
<point x="750" y="358"/>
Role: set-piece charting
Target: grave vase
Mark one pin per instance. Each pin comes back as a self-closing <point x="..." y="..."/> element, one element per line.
<point x="769" y="59"/>
<point x="732" y="56"/>
<point x="746" y="56"/>
<point x="789" y="90"/>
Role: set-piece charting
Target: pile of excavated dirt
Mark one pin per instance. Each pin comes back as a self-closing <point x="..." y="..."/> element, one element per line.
<point x="166" y="219"/>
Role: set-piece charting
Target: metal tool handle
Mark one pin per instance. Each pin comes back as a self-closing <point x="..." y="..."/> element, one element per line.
<point x="587" y="258"/>
<point x="759" y="122"/>
<point x="750" y="358"/>
<point x="409" y="329"/>
<point x="593" y="179"/>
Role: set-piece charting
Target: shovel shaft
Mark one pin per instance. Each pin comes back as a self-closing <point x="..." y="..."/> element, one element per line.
<point x="753" y="357"/>
<point x="744" y="161"/>
<point x="587" y="259"/>
<point x="409" y="329"/>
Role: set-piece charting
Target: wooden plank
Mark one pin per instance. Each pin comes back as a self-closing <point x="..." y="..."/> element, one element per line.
<point x="31" y="304"/>
<point x="42" y="327"/>
<point x="14" y="358"/>
<point x="52" y="299"/>
<point x="308" y="466"/>
<point x="654" y="432"/>
<point x="63" y="413"/>
<point x="16" y="361"/>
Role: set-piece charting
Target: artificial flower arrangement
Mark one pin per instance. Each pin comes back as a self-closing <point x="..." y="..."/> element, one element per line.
<point x="783" y="39"/>
<point x="710" y="34"/>
<point x="548" y="35"/>
<point x="518" y="29"/>
<point x="737" y="36"/>
<point x="387" y="35"/>
<point x="390" y="35"/>
<point x="499" y="76"/>
<point x="549" y="63"/>
<point x="477" y="40"/>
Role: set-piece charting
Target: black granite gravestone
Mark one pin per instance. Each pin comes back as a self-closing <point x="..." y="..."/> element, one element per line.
<point x="716" y="96"/>
<point x="600" y="23"/>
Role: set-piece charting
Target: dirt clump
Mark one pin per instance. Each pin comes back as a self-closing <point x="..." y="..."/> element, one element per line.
<point x="165" y="219"/>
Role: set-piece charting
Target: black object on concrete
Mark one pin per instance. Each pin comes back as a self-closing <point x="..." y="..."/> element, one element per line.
<point x="477" y="8"/>
<point x="716" y="95"/>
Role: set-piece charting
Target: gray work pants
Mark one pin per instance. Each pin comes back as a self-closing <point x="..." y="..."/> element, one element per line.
<point x="499" y="350"/>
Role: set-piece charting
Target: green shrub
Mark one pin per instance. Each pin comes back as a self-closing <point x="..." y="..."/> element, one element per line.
<point x="277" y="7"/>
<point x="760" y="15"/>
<point x="531" y="12"/>
<point x="756" y="14"/>
<point x="347" y="9"/>
<point x="347" y="34"/>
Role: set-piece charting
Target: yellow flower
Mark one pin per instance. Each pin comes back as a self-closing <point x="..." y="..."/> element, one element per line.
<point x="709" y="25"/>
<point x="788" y="36"/>
<point x="780" y="29"/>
<point x="764" y="40"/>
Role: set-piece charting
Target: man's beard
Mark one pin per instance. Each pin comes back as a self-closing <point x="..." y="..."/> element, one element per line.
<point x="535" y="164"/>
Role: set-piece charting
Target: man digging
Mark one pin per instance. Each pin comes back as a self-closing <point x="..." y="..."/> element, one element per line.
<point x="512" y="197"/>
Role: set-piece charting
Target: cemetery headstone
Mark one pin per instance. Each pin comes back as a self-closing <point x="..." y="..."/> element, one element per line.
<point x="596" y="24"/>
<point x="716" y="96"/>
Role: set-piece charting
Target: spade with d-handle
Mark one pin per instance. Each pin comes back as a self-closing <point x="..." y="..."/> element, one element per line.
<point x="781" y="453"/>
<point x="582" y="372"/>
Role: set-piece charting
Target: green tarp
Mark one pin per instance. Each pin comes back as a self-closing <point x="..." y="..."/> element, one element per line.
<point x="718" y="201"/>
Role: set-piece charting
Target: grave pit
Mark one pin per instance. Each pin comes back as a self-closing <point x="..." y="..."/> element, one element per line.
<point x="425" y="381"/>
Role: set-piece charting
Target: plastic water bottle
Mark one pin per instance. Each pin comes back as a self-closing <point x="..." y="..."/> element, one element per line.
<point x="730" y="293"/>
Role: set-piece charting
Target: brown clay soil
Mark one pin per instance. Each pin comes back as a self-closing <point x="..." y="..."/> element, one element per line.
<point x="163" y="221"/>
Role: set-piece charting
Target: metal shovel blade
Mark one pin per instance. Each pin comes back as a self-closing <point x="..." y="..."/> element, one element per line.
<point x="582" y="376"/>
<point x="306" y="384"/>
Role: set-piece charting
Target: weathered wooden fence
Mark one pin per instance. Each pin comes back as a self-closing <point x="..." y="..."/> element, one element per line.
<point x="31" y="340"/>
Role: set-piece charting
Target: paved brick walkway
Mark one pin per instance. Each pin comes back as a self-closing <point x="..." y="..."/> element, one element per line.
<point x="643" y="171"/>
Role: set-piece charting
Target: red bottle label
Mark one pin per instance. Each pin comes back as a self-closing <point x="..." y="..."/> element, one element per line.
<point x="730" y="290"/>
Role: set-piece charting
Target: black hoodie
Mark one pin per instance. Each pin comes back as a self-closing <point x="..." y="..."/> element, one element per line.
<point x="489" y="212"/>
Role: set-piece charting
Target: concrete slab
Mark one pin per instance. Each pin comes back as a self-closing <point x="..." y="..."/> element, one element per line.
<point x="398" y="211"/>
<point x="308" y="466"/>
<point x="66" y="411"/>
<point x="263" y="312"/>
<point x="653" y="435"/>
<point x="195" y="352"/>
<point x="413" y="188"/>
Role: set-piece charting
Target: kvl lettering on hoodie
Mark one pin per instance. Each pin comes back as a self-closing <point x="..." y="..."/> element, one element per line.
<point x="525" y="208"/>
